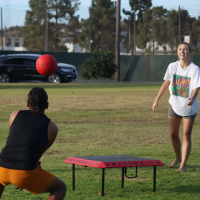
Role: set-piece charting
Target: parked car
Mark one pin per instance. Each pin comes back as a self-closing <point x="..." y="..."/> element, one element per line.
<point x="18" y="67"/>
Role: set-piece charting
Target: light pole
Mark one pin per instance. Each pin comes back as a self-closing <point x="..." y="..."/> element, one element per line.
<point x="1" y="29"/>
<point x="179" y="24"/>
<point x="134" y="33"/>
<point x="117" y="43"/>
<point x="90" y="9"/>
<point x="46" y="33"/>
<point x="131" y="2"/>
<point x="129" y="38"/>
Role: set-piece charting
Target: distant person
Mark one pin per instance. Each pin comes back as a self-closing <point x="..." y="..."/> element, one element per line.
<point x="31" y="133"/>
<point x="183" y="80"/>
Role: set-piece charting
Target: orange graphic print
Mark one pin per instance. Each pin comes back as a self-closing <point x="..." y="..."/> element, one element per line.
<point x="180" y="86"/>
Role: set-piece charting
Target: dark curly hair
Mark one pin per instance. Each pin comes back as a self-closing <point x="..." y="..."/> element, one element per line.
<point x="38" y="99"/>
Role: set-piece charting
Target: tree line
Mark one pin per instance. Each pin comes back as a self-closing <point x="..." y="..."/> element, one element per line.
<point x="152" y="24"/>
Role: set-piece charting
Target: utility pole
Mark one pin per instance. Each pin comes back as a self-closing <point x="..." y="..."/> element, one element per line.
<point x="134" y="33"/>
<point x="129" y="42"/>
<point x="46" y="33"/>
<point x="117" y="42"/>
<point x="90" y="9"/>
<point x="1" y="29"/>
<point x="57" y="35"/>
<point x="153" y="45"/>
<point x="179" y="25"/>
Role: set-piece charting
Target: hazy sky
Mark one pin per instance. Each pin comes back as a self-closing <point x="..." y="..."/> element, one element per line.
<point x="14" y="11"/>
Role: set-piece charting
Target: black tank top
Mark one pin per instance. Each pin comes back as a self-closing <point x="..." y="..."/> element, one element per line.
<point x="27" y="139"/>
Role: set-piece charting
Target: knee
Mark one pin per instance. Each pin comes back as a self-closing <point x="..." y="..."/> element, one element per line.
<point x="63" y="186"/>
<point x="174" y="135"/>
<point x="186" y="136"/>
<point x="58" y="186"/>
<point x="61" y="189"/>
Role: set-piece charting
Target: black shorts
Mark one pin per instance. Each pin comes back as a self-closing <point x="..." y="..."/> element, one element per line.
<point x="171" y="113"/>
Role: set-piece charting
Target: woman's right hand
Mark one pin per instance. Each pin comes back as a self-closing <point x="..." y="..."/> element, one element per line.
<point x="162" y="90"/>
<point x="155" y="106"/>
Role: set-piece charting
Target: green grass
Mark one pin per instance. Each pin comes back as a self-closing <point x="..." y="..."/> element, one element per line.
<point x="107" y="119"/>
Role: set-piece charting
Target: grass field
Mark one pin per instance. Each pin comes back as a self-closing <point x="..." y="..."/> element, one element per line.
<point x="107" y="119"/>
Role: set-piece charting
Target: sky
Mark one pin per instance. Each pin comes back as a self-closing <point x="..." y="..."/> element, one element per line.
<point x="14" y="11"/>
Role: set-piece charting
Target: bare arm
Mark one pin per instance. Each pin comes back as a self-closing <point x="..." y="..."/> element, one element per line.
<point x="194" y="95"/>
<point x="12" y="117"/>
<point x="52" y="134"/>
<point x="162" y="90"/>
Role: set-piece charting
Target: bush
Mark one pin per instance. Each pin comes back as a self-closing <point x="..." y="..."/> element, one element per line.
<point x="100" y="65"/>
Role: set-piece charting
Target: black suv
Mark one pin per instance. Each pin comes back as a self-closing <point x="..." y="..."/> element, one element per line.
<point x="18" y="67"/>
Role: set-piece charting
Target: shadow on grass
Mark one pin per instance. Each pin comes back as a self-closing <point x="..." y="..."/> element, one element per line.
<point x="187" y="189"/>
<point x="192" y="168"/>
<point x="76" y="169"/>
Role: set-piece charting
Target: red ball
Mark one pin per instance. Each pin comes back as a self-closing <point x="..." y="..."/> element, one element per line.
<point x="46" y="65"/>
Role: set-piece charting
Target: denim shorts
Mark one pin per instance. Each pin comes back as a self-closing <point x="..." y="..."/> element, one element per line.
<point x="171" y="113"/>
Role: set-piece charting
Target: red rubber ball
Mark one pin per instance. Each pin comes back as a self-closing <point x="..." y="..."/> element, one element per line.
<point x="46" y="65"/>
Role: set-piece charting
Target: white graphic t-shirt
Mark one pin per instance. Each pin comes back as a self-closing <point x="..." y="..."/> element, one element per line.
<point x="182" y="83"/>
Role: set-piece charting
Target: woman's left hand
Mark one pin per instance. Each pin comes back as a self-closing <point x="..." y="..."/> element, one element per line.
<point x="190" y="101"/>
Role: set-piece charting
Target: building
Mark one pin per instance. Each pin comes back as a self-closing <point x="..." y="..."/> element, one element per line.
<point x="12" y="40"/>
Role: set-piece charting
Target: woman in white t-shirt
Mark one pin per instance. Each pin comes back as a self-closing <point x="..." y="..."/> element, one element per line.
<point x="183" y="80"/>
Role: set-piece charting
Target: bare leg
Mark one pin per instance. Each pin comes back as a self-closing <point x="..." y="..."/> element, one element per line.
<point x="1" y="189"/>
<point x="187" y="132"/>
<point x="174" y="124"/>
<point x="57" y="190"/>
